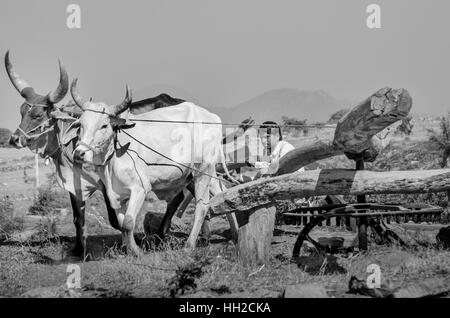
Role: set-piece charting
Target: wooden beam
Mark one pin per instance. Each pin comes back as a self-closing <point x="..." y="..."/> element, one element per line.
<point x="264" y="192"/>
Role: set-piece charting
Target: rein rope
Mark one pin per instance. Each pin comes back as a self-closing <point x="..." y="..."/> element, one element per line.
<point x="174" y="161"/>
<point x="229" y="124"/>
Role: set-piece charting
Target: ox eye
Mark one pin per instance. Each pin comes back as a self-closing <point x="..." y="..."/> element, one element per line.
<point x="104" y="126"/>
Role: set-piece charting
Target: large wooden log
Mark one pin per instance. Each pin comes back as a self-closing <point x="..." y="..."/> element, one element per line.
<point x="385" y="107"/>
<point x="263" y="192"/>
<point x="356" y="132"/>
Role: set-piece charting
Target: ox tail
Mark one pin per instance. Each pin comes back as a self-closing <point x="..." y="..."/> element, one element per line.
<point x="224" y="165"/>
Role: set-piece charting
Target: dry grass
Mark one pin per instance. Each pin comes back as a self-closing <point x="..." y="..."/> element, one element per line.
<point x="214" y="268"/>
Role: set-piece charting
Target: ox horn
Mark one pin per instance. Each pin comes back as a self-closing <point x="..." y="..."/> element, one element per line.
<point x="118" y="109"/>
<point x="19" y="83"/>
<point x="63" y="86"/>
<point x="76" y="96"/>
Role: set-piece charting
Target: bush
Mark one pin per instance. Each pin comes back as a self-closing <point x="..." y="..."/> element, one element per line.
<point x="48" y="200"/>
<point x="4" y="137"/>
<point x="442" y="139"/>
<point x="8" y="223"/>
<point x="296" y="125"/>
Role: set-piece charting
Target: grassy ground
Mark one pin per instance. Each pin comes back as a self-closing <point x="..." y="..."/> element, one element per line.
<point x="214" y="269"/>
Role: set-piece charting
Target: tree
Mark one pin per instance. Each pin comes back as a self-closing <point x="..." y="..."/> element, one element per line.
<point x="295" y="123"/>
<point x="4" y="137"/>
<point x="442" y="138"/>
<point x="406" y="126"/>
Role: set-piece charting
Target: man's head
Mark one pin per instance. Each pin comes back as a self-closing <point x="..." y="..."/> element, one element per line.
<point x="270" y="134"/>
<point x="37" y="109"/>
<point x="98" y="125"/>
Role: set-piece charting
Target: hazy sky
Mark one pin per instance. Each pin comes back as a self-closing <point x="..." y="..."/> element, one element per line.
<point x="224" y="52"/>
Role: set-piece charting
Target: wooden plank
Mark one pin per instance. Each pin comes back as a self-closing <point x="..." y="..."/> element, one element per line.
<point x="265" y="191"/>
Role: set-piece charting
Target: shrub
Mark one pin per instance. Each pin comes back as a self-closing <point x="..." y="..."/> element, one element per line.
<point x="48" y="200"/>
<point x="4" y="137"/>
<point x="8" y="223"/>
<point x="442" y="139"/>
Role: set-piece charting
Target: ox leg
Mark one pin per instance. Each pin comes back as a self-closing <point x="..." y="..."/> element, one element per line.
<point x="202" y="182"/>
<point x="170" y="211"/>
<point x="78" y="208"/>
<point x="216" y="188"/>
<point x="135" y="202"/>
<point x="112" y="216"/>
<point x="206" y="223"/>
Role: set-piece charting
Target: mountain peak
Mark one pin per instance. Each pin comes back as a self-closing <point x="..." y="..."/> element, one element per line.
<point x="313" y="105"/>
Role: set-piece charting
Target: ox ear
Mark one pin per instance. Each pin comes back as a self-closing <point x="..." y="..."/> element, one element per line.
<point x="121" y="123"/>
<point x="71" y="132"/>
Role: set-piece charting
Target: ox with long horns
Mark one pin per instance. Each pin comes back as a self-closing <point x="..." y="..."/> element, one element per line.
<point x="43" y="130"/>
<point x="134" y="159"/>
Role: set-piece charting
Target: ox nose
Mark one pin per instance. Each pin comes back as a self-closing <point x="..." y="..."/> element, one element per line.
<point x="16" y="141"/>
<point x="78" y="155"/>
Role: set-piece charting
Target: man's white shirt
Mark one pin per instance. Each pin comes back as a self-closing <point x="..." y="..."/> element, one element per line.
<point x="281" y="149"/>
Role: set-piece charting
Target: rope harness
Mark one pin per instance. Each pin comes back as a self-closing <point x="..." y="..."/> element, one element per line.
<point x="44" y="129"/>
<point x="40" y="126"/>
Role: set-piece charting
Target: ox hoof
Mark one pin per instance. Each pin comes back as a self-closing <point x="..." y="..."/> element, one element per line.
<point x="136" y="252"/>
<point x="189" y="247"/>
<point x="77" y="250"/>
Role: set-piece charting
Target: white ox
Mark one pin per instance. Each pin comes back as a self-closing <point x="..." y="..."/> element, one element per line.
<point x="135" y="159"/>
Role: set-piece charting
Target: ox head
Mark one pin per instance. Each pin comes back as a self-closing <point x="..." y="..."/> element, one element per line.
<point x="37" y="110"/>
<point x="98" y="127"/>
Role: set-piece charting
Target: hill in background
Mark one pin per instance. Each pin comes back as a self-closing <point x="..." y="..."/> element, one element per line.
<point x="315" y="106"/>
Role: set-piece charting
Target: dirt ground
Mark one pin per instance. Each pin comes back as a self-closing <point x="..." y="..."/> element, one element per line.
<point x="38" y="268"/>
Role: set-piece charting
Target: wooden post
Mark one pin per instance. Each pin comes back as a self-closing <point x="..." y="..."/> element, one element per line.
<point x="234" y="227"/>
<point x="362" y="221"/>
<point x="255" y="235"/>
<point x="36" y="162"/>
